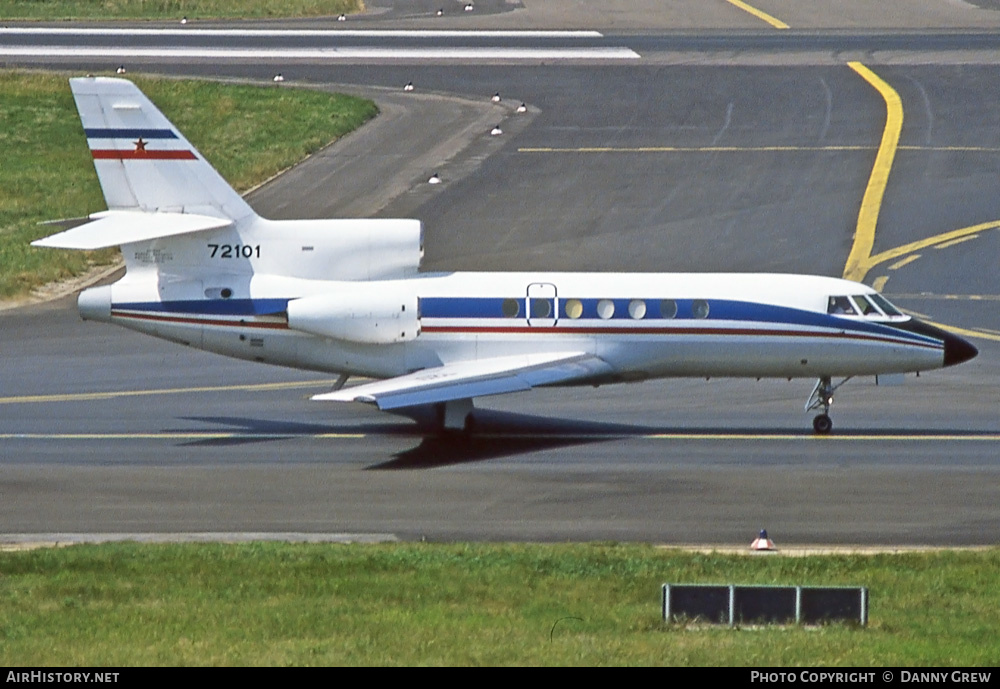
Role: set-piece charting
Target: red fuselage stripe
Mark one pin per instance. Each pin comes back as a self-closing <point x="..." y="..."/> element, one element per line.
<point x="200" y="321"/>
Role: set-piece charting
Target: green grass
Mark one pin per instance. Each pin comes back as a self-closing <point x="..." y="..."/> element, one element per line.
<point x="432" y="604"/>
<point x="248" y="133"/>
<point x="173" y="9"/>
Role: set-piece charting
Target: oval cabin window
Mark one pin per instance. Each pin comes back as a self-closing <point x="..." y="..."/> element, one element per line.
<point x="699" y="308"/>
<point x="574" y="308"/>
<point x="510" y="308"/>
<point x="605" y="308"/>
<point x="637" y="309"/>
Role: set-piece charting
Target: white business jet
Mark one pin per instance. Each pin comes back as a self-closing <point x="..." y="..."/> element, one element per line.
<point x="348" y="297"/>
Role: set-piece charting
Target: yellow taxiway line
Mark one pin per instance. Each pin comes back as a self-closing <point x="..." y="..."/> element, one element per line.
<point x="695" y="149"/>
<point x="776" y="23"/>
<point x="180" y="435"/>
<point x="948" y="297"/>
<point x="821" y="438"/>
<point x="860" y="260"/>
<point x="864" y="236"/>
<point x="909" y="259"/>
<point x="683" y="436"/>
<point x="91" y="396"/>
<point x="982" y="334"/>
<point x="937" y="240"/>
<point x="833" y="148"/>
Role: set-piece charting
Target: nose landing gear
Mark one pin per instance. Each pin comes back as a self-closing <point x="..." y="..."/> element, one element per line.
<point x="821" y="398"/>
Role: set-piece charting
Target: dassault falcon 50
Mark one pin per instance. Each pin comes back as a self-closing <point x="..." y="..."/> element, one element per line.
<point x="348" y="296"/>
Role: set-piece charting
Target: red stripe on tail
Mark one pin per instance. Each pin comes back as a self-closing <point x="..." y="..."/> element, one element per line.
<point x="143" y="155"/>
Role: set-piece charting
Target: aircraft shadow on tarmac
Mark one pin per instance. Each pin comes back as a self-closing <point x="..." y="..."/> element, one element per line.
<point x="502" y="434"/>
<point x="497" y="434"/>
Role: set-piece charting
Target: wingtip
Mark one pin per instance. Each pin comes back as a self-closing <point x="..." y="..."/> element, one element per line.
<point x="340" y="396"/>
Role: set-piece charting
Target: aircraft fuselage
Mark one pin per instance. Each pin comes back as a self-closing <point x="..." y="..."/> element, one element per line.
<point x="642" y="325"/>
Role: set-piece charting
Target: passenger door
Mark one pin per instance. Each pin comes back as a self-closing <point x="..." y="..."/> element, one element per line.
<point x="542" y="305"/>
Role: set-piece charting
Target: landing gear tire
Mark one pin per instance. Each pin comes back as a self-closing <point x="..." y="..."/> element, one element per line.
<point x="822" y="424"/>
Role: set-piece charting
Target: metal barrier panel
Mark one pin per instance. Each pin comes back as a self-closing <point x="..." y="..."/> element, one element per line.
<point x="693" y="601"/>
<point x="764" y="604"/>
<point x="732" y="605"/>
<point x="830" y="604"/>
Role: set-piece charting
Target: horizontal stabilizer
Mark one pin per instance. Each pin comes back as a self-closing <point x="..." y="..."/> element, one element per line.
<point x="114" y="228"/>
<point x="468" y="379"/>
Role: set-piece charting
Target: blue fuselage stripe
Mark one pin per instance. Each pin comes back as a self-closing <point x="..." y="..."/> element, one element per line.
<point x="476" y="310"/>
<point x="125" y="133"/>
<point x="719" y="310"/>
<point x="210" y="307"/>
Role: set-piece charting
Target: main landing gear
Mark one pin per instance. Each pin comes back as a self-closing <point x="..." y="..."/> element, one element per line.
<point x="822" y="398"/>
<point x="456" y="416"/>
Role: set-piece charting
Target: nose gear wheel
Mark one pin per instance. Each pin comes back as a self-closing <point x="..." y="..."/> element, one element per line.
<point x="822" y="398"/>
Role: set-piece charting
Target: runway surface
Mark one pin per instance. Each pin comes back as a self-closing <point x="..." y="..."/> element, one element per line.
<point x="652" y="164"/>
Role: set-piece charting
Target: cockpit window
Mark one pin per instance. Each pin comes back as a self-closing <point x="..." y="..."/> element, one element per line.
<point x="884" y="304"/>
<point x="865" y="307"/>
<point x="840" y="306"/>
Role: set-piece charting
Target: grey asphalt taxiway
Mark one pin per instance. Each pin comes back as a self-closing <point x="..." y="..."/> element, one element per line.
<point x="649" y="165"/>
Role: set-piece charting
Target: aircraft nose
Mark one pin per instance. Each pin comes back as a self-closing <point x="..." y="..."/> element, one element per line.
<point x="957" y="350"/>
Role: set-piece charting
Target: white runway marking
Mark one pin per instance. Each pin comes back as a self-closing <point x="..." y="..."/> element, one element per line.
<point x="24" y="541"/>
<point x="347" y="53"/>
<point x="293" y="33"/>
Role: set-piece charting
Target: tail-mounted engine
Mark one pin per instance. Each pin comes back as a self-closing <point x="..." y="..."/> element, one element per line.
<point x="378" y="313"/>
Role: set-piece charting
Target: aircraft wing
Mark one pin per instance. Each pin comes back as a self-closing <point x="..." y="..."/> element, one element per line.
<point x="467" y="379"/>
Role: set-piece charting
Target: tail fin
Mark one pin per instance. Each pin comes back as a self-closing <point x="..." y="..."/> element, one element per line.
<point x="143" y="162"/>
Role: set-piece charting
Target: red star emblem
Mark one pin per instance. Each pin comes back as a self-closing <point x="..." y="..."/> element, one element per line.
<point x="140" y="145"/>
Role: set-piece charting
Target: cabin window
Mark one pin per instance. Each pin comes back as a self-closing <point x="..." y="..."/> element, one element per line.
<point x="668" y="308"/>
<point x="637" y="309"/>
<point x="511" y="308"/>
<point x="574" y="308"/>
<point x="840" y="306"/>
<point x="605" y="308"/>
<point x="699" y="308"/>
<point x="541" y="308"/>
